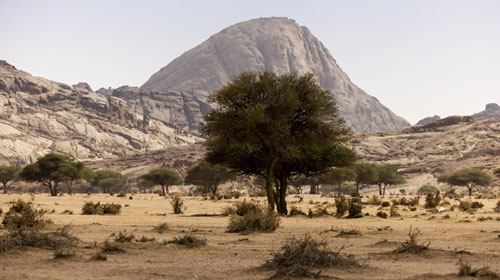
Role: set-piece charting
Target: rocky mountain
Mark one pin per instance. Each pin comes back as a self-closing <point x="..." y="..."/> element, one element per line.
<point x="491" y="111"/>
<point x="84" y="86"/>
<point x="277" y="44"/>
<point x="438" y="147"/>
<point x="38" y="116"/>
<point x="428" y="120"/>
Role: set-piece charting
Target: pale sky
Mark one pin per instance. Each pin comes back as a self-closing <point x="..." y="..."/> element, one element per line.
<point x="419" y="58"/>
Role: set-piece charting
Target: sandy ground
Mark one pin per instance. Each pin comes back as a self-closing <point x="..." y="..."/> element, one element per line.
<point x="236" y="256"/>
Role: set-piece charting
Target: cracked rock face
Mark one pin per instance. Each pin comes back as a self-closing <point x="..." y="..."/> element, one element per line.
<point x="38" y="116"/>
<point x="277" y="44"/>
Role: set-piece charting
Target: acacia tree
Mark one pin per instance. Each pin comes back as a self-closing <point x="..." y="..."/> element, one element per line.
<point x="338" y="176"/>
<point x="164" y="177"/>
<point x="145" y="184"/>
<point x="107" y="180"/>
<point x="276" y="127"/>
<point x="209" y="176"/>
<point x="8" y="175"/>
<point x="387" y="175"/>
<point x="50" y="170"/>
<point x="75" y="171"/>
<point x="468" y="177"/>
<point x="366" y="173"/>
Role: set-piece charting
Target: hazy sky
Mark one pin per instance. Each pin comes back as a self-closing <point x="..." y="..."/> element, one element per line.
<point x="419" y="58"/>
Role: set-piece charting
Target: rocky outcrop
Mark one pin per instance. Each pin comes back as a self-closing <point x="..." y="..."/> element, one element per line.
<point x="491" y="111"/>
<point x="105" y="91"/>
<point x="428" y="120"/>
<point x="38" y="116"/>
<point x="84" y="86"/>
<point x="277" y="44"/>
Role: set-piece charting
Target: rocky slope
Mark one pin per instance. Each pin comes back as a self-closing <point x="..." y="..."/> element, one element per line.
<point x="277" y="44"/>
<point x="442" y="146"/>
<point x="38" y="116"/>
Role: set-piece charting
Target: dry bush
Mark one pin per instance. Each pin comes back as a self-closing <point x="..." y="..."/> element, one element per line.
<point x="319" y="212"/>
<point x="99" y="257"/>
<point x="111" y="247"/>
<point x="91" y="208"/>
<point x="260" y="220"/>
<point x="188" y="241"/>
<point x="177" y="204"/>
<point x="465" y="269"/>
<point x="412" y="245"/>
<point x="161" y="228"/>
<point x="374" y="200"/>
<point x="467" y="205"/>
<point x="342" y="206"/>
<point x="122" y="194"/>
<point x="432" y="201"/>
<point x="299" y="255"/>
<point x="64" y="253"/>
<point x="394" y="211"/>
<point x="497" y="208"/>
<point x="295" y="211"/>
<point x="24" y="216"/>
<point x="240" y="208"/>
<point x="145" y="239"/>
<point x="122" y="237"/>
<point x="348" y="232"/>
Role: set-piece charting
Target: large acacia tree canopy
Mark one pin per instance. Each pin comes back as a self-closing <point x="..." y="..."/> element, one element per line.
<point x="276" y="127"/>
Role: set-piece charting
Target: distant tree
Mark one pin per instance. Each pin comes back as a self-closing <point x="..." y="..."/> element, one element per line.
<point x="276" y="127"/>
<point x="107" y="180"/>
<point x="312" y="181"/>
<point x="387" y="175"/>
<point x="366" y="173"/>
<point x="144" y="184"/>
<point x="209" y="176"/>
<point x="75" y="171"/>
<point x="164" y="177"/>
<point x="469" y="177"/>
<point x="8" y="175"/>
<point x="50" y="170"/>
<point x="338" y="176"/>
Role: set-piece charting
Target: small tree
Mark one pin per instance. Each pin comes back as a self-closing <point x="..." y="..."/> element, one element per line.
<point x="387" y="175"/>
<point x="209" y="176"/>
<point x="107" y="180"/>
<point x="143" y="184"/>
<point x="366" y="173"/>
<point x="8" y="175"/>
<point x="469" y="177"/>
<point x="164" y="177"/>
<point x="338" y="176"/>
<point x="50" y="170"/>
<point x="76" y="171"/>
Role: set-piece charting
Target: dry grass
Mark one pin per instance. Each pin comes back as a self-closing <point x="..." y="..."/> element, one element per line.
<point x="465" y="269"/>
<point x="412" y="245"/>
<point x="188" y="241"/>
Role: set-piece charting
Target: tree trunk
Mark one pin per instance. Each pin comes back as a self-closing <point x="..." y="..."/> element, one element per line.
<point x="340" y="185"/>
<point x="270" y="177"/>
<point x="379" y="188"/>
<point x="214" y="190"/>
<point x="163" y="190"/>
<point x="470" y="189"/>
<point x="357" y="187"/>
<point x="314" y="189"/>
<point x="5" y="188"/>
<point x="282" y="195"/>
<point x="385" y="186"/>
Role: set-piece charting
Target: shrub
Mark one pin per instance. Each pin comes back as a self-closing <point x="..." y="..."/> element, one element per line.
<point x="355" y="210"/>
<point x="122" y="237"/>
<point x="426" y="189"/>
<point x="382" y="214"/>
<point x="91" y="208"/>
<point x="477" y="205"/>
<point x="432" y="201"/>
<point x="319" y="212"/>
<point x="348" y="232"/>
<point x="342" y="205"/>
<point x="189" y="241"/>
<point x="386" y="204"/>
<point x="257" y="220"/>
<point x="394" y="211"/>
<point x="145" y="239"/>
<point x="465" y="269"/>
<point x="109" y="247"/>
<point x="99" y="257"/>
<point x="298" y="255"/>
<point x="177" y="204"/>
<point x="374" y="200"/>
<point x="64" y="253"/>
<point x="497" y="208"/>
<point x="161" y="228"/>
<point x="240" y="208"/>
<point x="32" y="237"/>
<point x="23" y="216"/>
<point x="295" y="211"/>
<point x="412" y="245"/>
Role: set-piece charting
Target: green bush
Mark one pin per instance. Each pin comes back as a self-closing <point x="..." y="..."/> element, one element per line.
<point x="382" y="214"/>
<point x="432" y="201"/>
<point x="355" y="210"/>
<point x="386" y="204"/>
